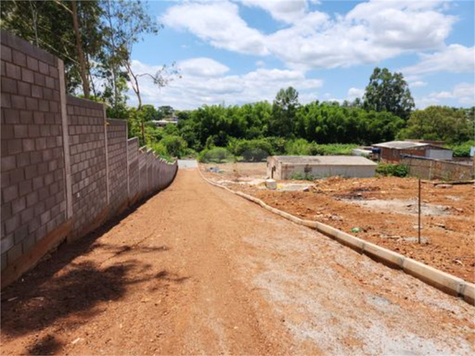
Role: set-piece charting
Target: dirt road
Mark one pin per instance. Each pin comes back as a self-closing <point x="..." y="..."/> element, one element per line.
<point x="197" y="270"/>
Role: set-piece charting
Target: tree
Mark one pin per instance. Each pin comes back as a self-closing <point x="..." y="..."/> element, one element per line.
<point x="440" y="123"/>
<point x="388" y="91"/>
<point x="284" y="110"/>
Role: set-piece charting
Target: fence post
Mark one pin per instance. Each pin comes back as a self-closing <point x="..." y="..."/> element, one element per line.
<point x="66" y="152"/>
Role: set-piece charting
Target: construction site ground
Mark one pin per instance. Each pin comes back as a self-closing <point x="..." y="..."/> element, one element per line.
<point x="197" y="270"/>
<point x="382" y="210"/>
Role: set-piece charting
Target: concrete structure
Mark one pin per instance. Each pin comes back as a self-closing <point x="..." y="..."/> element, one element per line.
<point x="65" y="167"/>
<point x="393" y="151"/>
<point x="285" y="167"/>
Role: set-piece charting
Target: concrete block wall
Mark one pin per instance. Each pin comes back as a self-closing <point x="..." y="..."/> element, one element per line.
<point x="117" y="161"/>
<point x="32" y="162"/>
<point x="143" y="183"/>
<point x="133" y="162"/>
<point x="438" y="169"/>
<point x="65" y="168"/>
<point x="87" y="144"/>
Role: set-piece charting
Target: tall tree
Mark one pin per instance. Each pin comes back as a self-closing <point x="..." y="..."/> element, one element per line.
<point x="79" y="47"/>
<point x="388" y="91"/>
<point x="127" y="23"/>
<point x="284" y="110"/>
<point x="452" y="125"/>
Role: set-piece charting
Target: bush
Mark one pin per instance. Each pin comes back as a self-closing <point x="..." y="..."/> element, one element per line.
<point x="161" y="151"/>
<point x="462" y="149"/>
<point x="392" y="170"/>
<point x="336" y="149"/>
<point x="302" y="176"/>
<point x="215" y="155"/>
<point x="302" y="147"/>
<point x="174" y="145"/>
<point x="255" y="150"/>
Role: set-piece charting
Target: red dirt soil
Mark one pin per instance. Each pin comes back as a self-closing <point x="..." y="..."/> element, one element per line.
<point x="384" y="210"/>
<point x="198" y="270"/>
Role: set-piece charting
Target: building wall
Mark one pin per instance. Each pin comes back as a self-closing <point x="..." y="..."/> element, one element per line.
<point x="439" y="154"/>
<point x="322" y="171"/>
<point x="63" y="170"/>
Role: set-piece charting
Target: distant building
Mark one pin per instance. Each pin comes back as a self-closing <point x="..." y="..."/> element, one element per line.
<point x="394" y="151"/>
<point x="286" y="167"/>
<point x="163" y="123"/>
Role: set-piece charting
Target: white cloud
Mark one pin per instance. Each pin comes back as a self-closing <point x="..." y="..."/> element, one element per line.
<point x="288" y="11"/>
<point x="354" y="93"/>
<point x="462" y="93"/>
<point x="195" y="89"/>
<point x="417" y="83"/>
<point x="454" y="58"/>
<point x="218" y="23"/>
<point x="372" y="31"/>
<point x="202" y="67"/>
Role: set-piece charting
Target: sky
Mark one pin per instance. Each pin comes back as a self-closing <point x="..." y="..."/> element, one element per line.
<point x="234" y="52"/>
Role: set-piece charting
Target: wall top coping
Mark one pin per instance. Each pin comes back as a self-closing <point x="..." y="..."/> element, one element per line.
<point x="72" y="100"/>
<point x="119" y="122"/>
<point x="27" y="48"/>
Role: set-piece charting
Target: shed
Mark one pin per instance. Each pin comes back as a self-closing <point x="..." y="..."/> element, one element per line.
<point x="287" y="167"/>
<point x="393" y="151"/>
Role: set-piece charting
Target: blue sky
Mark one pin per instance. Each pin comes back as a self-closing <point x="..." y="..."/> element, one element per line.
<point x="240" y="51"/>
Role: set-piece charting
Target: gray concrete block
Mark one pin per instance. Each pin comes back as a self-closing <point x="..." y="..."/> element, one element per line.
<point x="44" y="68"/>
<point x="19" y="58"/>
<point x="36" y="91"/>
<point x="26" y="117"/>
<point x="32" y="63"/>
<point x="12" y="71"/>
<point x="24" y="88"/>
<point x="28" y="145"/>
<point x="8" y="163"/>
<point x="31" y="104"/>
<point x="11" y="224"/>
<point x="39" y="79"/>
<point x="18" y="205"/>
<point x="14" y="146"/>
<point x="23" y="159"/>
<point x="18" y="102"/>
<point x="20" y="131"/>
<point x="32" y="170"/>
<point x="27" y="75"/>
<point x="6" y="243"/>
<point x="10" y="193"/>
<point x="6" y="54"/>
<point x="31" y="198"/>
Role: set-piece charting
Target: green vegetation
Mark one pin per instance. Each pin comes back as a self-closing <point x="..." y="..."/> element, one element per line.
<point x="302" y="176"/>
<point x="392" y="170"/>
<point x="215" y="155"/>
<point x="462" y="149"/>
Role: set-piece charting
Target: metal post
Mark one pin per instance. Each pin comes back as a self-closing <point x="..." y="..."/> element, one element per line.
<point x="419" y="215"/>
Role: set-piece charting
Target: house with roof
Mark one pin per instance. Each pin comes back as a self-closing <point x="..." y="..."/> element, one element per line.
<point x="394" y="151"/>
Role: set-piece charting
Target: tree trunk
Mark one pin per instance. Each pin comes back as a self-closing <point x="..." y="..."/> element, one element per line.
<point x="135" y="85"/>
<point x="82" y="64"/>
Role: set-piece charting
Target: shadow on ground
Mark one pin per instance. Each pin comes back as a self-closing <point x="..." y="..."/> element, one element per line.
<point x="58" y="287"/>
